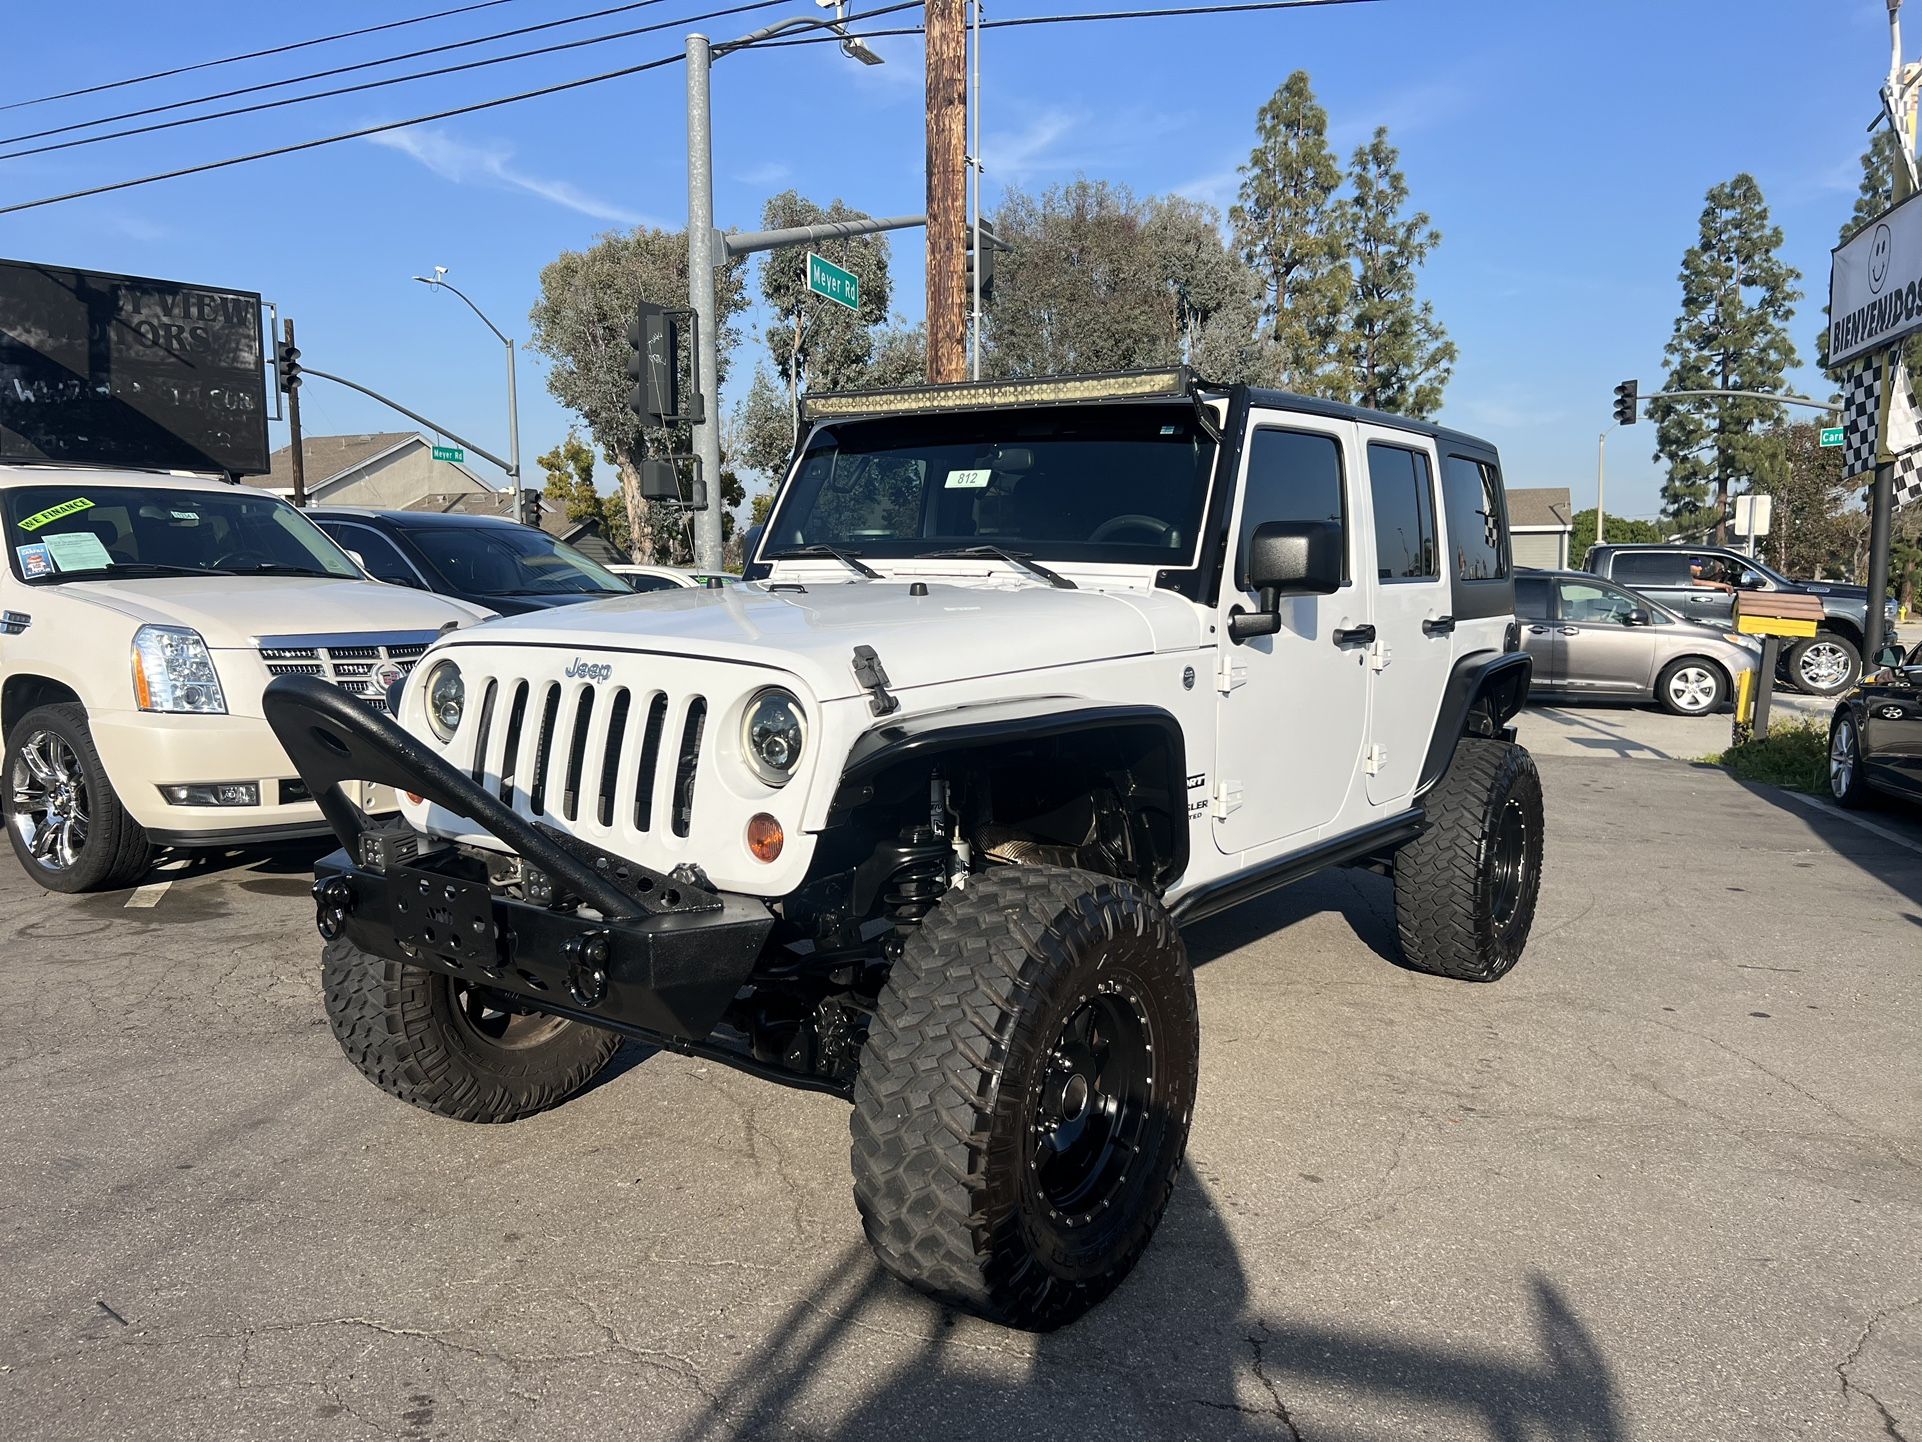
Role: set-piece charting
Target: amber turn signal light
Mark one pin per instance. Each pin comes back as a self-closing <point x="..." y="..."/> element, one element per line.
<point x="764" y="836"/>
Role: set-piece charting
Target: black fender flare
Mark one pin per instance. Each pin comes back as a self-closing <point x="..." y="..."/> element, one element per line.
<point x="1499" y="678"/>
<point x="927" y="736"/>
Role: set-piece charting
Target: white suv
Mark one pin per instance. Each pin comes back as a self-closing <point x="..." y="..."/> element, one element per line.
<point x="141" y="616"/>
<point x="1023" y="676"/>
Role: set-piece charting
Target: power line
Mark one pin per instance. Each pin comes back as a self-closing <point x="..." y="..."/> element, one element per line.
<point x="1253" y="5"/>
<point x="567" y="85"/>
<point x="252" y="55"/>
<point x="364" y="85"/>
<point x="368" y="130"/>
<point x="328" y="74"/>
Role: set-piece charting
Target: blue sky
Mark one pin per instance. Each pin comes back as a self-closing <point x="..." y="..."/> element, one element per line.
<point x="1563" y="150"/>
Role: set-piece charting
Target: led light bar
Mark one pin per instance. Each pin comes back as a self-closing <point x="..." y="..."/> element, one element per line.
<point x="974" y="395"/>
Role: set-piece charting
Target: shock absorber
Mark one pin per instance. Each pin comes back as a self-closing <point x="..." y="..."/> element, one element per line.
<point x="916" y="883"/>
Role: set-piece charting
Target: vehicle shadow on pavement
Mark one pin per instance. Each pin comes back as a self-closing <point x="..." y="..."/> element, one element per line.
<point x="1608" y="739"/>
<point x="1877" y="839"/>
<point x="1364" y="898"/>
<point x="1181" y="1350"/>
<point x="281" y="859"/>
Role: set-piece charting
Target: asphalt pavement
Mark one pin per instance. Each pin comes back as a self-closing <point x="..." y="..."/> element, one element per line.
<point x="1663" y="1181"/>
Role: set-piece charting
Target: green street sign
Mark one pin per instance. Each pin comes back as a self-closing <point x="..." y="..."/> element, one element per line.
<point x="449" y="453"/>
<point x="825" y="278"/>
<point x="1831" y="435"/>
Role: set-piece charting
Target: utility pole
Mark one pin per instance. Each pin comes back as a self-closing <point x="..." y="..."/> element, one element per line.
<point x="947" y="117"/>
<point x="296" y="460"/>
<point x="1897" y="101"/>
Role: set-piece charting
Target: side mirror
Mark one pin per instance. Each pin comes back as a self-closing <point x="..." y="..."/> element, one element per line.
<point x="358" y="559"/>
<point x="1286" y="558"/>
<point x="1636" y="617"/>
<point x="1890" y="655"/>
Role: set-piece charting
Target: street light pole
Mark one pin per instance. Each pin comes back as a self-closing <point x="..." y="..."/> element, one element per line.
<point x="1601" y="517"/>
<point x="440" y="281"/>
<point x="704" y="246"/>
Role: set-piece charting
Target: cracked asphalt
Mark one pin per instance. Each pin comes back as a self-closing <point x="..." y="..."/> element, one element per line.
<point x="1664" y="1181"/>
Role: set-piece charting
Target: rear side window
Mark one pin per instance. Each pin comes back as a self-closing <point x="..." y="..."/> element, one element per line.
<point x="1651" y="568"/>
<point x="1531" y="598"/>
<point x="1292" y="476"/>
<point x="1404" y="499"/>
<point x="1471" y="495"/>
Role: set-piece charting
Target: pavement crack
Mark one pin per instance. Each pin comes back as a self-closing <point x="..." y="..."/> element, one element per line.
<point x="1852" y="1388"/>
<point x="1259" y="1340"/>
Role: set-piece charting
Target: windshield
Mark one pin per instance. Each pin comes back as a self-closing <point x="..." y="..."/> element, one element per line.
<point x="497" y="560"/>
<point x="69" y="532"/>
<point x="1122" y="484"/>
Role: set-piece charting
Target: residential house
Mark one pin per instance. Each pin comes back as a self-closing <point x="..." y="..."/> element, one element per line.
<point x="1540" y="521"/>
<point x="387" y="470"/>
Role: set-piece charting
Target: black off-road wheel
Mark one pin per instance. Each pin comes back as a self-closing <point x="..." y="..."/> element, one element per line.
<point x="1024" y="1094"/>
<point x="448" y="1047"/>
<point x="67" y="826"/>
<point x="1465" y="889"/>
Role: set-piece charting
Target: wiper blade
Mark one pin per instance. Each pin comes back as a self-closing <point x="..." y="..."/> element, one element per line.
<point x="833" y="553"/>
<point x="275" y="568"/>
<point x="143" y="568"/>
<point x="1013" y="558"/>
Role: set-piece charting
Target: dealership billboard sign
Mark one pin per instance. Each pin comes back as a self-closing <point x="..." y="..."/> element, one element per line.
<point x="123" y="370"/>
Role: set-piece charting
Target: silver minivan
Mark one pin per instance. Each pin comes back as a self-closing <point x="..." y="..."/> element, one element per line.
<point x="1593" y="639"/>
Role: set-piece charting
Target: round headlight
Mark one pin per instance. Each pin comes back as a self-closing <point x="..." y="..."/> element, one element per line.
<point x="772" y="735"/>
<point x="446" y="699"/>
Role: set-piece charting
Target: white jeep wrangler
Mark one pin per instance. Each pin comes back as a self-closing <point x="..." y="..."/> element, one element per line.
<point x="1025" y="676"/>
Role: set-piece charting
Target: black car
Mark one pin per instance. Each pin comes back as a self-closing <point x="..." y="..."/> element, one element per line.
<point x="1875" y="740"/>
<point x="493" y="562"/>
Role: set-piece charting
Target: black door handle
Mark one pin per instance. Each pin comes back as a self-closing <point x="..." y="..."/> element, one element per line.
<point x="1356" y="636"/>
<point x="1440" y="626"/>
<point x="1538" y="630"/>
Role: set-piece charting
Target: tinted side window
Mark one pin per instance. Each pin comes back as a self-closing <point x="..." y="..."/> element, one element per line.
<point x="1531" y="598"/>
<point x="650" y="583"/>
<point x="1651" y="568"/>
<point x="1292" y="476"/>
<point x="1404" y="514"/>
<point x="1585" y="601"/>
<point x="1471" y="493"/>
<point x="383" y="561"/>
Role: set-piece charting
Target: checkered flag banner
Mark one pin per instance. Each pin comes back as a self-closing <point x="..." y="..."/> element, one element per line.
<point x="1861" y="410"/>
<point x="1902" y="434"/>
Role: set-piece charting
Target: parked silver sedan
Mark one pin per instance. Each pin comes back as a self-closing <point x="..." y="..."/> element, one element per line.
<point x="1592" y="639"/>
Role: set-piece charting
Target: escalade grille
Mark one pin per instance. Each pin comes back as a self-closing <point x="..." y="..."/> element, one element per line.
<point x="356" y="664"/>
<point x="607" y="758"/>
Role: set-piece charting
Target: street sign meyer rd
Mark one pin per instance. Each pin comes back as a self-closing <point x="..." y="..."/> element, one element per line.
<point x="1831" y="435"/>
<point x="449" y="453"/>
<point x="825" y="278"/>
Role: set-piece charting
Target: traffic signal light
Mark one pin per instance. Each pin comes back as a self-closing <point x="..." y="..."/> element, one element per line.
<point x="654" y="366"/>
<point x="1627" y="402"/>
<point x="287" y="365"/>
<point x="985" y="262"/>
<point x="530" y="508"/>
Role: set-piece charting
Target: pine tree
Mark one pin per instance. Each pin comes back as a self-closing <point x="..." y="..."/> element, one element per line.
<point x="1394" y="354"/>
<point x="1732" y="334"/>
<point x="1289" y="230"/>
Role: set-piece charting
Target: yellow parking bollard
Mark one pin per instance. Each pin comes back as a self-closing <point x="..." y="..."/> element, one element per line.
<point x="1744" y="729"/>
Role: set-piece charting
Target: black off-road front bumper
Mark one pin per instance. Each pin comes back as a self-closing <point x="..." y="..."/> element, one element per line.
<point x="562" y="925"/>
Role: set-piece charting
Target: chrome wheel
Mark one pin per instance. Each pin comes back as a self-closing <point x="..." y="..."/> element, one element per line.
<point x="1842" y="758"/>
<point x="49" y="806"/>
<point x="1693" y="689"/>
<point x="1823" y="666"/>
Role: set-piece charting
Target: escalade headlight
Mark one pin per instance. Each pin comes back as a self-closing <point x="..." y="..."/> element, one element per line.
<point x="173" y="671"/>
<point x="773" y="733"/>
<point x="446" y="699"/>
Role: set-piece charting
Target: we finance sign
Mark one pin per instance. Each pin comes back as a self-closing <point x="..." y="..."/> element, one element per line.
<point x="1875" y="283"/>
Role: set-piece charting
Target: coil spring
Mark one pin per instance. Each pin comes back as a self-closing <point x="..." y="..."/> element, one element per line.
<point x="916" y="885"/>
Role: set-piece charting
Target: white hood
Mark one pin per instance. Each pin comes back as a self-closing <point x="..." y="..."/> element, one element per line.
<point x="954" y="631"/>
<point x="230" y="612"/>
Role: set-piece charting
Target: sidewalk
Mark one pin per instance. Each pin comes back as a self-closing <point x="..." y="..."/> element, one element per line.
<point x="1646" y="731"/>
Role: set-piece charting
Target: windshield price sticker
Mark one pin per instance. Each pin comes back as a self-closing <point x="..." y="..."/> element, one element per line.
<point x="78" y="551"/>
<point x="54" y="513"/>
<point x="968" y="480"/>
<point x="35" y="560"/>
